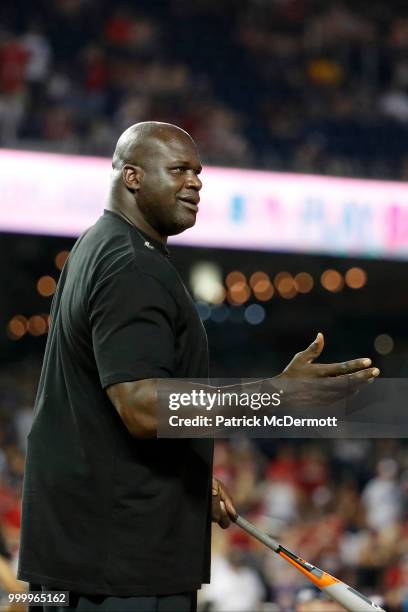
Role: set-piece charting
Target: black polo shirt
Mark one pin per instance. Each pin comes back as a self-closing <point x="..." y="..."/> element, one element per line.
<point x="104" y="512"/>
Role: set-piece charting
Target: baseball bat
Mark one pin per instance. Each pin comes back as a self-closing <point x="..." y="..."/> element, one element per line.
<point x="339" y="591"/>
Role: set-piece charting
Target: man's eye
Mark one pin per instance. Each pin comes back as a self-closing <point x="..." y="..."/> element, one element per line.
<point x="179" y="169"/>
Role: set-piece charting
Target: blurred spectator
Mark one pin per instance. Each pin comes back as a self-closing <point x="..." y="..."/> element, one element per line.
<point x="382" y="496"/>
<point x="397" y="579"/>
<point x="13" y="63"/>
<point x="38" y="54"/>
<point x="235" y="586"/>
<point x="281" y="491"/>
<point x="394" y="104"/>
<point x="286" y="85"/>
<point x="14" y="59"/>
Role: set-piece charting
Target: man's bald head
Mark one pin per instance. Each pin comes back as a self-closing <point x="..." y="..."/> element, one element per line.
<point x="155" y="178"/>
<point x="142" y="140"/>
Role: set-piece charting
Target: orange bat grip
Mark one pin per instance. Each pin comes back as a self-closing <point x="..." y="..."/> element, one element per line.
<point x="322" y="582"/>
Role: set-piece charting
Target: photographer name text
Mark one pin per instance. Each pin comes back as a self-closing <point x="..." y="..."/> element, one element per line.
<point x="251" y="421"/>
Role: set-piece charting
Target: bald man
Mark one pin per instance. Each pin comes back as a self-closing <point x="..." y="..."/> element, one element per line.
<point x="116" y="517"/>
<point x="157" y="163"/>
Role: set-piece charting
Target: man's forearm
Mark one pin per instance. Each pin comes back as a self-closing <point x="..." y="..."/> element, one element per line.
<point x="311" y="384"/>
<point x="138" y="403"/>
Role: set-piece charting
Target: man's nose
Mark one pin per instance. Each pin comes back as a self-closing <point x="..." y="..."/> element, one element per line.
<point x="193" y="180"/>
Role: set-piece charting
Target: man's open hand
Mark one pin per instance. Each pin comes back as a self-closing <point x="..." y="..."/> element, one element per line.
<point x="222" y="505"/>
<point x="323" y="383"/>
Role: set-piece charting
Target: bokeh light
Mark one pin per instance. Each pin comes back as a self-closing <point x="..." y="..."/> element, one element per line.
<point x="259" y="281"/>
<point x="383" y="344"/>
<point x="17" y="327"/>
<point x="356" y="278"/>
<point x="285" y="284"/>
<point x="261" y="286"/>
<point x="46" y="286"/>
<point x="332" y="280"/>
<point x="234" y="277"/>
<point x="280" y="276"/>
<point x="304" y="282"/>
<point x="239" y="293"/>
<point x="37" y="325"/>
<point x="255" y="314"/>
<point x="266" y="294"/>
<point x="60" y="259"/>
<point x="206" y="282"/>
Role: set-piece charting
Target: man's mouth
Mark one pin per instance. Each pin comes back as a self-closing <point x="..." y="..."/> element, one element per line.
<point x="190" y="203"/>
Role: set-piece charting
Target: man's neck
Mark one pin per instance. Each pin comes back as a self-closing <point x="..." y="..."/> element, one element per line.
<point x="138" y="221"/>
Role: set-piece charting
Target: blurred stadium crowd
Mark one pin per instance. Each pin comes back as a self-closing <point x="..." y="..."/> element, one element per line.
<point x="341" y="504"/>
<point x="295" y="85"/>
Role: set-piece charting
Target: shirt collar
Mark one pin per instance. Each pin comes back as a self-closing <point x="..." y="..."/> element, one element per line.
<point x="149" y="242"/>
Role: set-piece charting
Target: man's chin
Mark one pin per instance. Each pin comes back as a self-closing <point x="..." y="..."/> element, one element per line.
<point x="181" y="225"/>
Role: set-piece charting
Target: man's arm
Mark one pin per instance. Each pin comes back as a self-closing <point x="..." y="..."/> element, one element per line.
<point x="137" y="401"/>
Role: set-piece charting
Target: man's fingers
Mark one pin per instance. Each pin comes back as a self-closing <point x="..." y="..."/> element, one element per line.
<point x="230" y="508"/>
<point x="219" y="512"/>
<point x="227" y="502"/>
<point x="219" y="489"/>
<point x="363" y="376"/>
<point x="224" y="520"/>
<point x="346" y="367"/>
<point x="313" y="350"/>
<point x="345" y="383"/>
<point x="330" y="389"/>
<point x="222" y="504"/>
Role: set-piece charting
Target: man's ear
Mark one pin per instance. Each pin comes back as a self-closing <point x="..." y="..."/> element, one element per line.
<point x="132" y="177"/>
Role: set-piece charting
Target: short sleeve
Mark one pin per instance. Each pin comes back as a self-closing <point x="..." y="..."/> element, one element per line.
<point x="132" y="319"/>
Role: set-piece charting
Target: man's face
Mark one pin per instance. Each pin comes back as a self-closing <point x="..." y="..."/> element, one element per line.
<point x="168" y="195"/>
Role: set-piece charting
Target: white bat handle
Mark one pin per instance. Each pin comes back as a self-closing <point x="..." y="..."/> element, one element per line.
<point x="349" y="598"/>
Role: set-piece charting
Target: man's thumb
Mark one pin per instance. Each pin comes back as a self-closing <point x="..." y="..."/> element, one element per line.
<point x="314" y="350"/>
